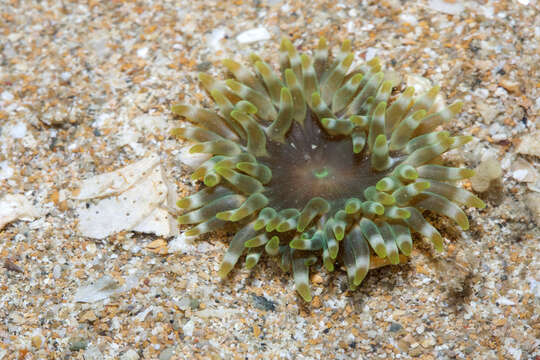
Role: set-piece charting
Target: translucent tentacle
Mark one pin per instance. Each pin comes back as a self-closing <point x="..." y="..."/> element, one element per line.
<point x="402" y="134"/>
<point x="299" y="101"/>
<point x="376" y="126"/>
<point x="294" y="57"/>
<point x="403" y="238"/>
<point x="265" y="216"/>
<point x="252" y="258"/>
<point x="441" y="205"/>
<point x="253" y="203"/>
<point x="301" y="278"/>
<point x="380" y="159"/>
<point x="195" y="133"/>
<point x="427" y="153"/>
<point x="368" y="90"/>
<point x="289" y="220"/>
<point x="272" y="246"/>
<point x="443" y="173"/>
<point x="205" y="227"/>
<point x="353" y="205"/>
<point x="339" y="224"/>
<point x="439" y="118"/>
<point x="311" y="83"/>
<point x="256" y="138"/>
<point x="202" y="197"/>
<point x="206" y="119"/>
<point x="321" y="56"/>
<point x="389" y="242"/>
<point x="372" y="194"/>
<point x="356" y="256"/>
<point x="272" y="82"/>
<point x="315" y="206"/>
<point x="210" y="210"/>
<point x="257" y="241"/>
<point x="303" y="242"/>
<point x="399" y="109"/>
<point x="216" y="147"/>
<point x="334" y="79"/>
<point x="259" y="171"/>
<point x="372" y="208"/>
<point x="281" y="125"/>
<point x="243" y="75"/>
<point x="244" y="183"/>
<point x="417" y="222"/>
<point x="425" y="101"/>
<point x="264" y="106"/>
<point x="345" y="93"/>
<point x="236" y="248"/>
<point x="373" y="236"/>
<point x="404" y="194"/>
<point x="337" y="126"/>
<point x="455" y="194"/>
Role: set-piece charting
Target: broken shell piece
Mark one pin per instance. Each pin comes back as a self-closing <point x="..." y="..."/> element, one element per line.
<point x="530" y="144"/>
<point x="133" y="198"/>
<point x="104" y="288"/>
<point x="533" y="204"/>
<point x="524" y="172"/>
<point x="15" y="207"/>
<point x="117" y="181"/>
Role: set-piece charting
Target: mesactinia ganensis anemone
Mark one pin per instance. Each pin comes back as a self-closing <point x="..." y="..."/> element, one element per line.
<point x="322" y="161"/>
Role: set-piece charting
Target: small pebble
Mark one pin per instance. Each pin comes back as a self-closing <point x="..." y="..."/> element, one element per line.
<point x="6" y="96"/>
<point x="253" y="35"/>
<point x="317" y="279"/>
<point x="530" y="144"/>
<point x="93" y="353"/>
<point x="77" y="343"/>
<point x="532" y="201"/>
<point x="262" y="303"/>
<point x="37" y="341"/>
<point x="428" y="342"/>
<point x="57" y="271"/>
<point x="511" y="86"/>
<point x="447" y="7"/>
<point x="166" y="354"/>
<point x="188" y="328"/>
<point x="130" y="355"/>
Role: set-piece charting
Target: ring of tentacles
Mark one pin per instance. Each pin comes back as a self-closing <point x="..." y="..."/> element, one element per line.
<point x="320" y="162"/>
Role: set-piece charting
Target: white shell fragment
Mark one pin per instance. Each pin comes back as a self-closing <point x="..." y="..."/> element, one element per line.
<point x="151" y="123"/>
<point x="530" y="144"/>
<point x="5" y="170"/>
<point x="103" y="288"/>
<point x="117" y="181"/>
<point x="133" y="198"/>
<point x="447" y="7"/>
<point x="181" y="244"/>
<point x="220" y="312"/>
<point x="532" y="201"/>
<point x="253" y="35"/>
<point x="15" y="207"/>
<point x="524" y="172"/>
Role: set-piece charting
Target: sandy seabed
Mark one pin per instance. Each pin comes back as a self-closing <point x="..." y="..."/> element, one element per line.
<point x="86" y="89"/>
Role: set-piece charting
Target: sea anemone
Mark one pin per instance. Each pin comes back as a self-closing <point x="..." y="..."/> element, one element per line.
<point x="320" y="162"/>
